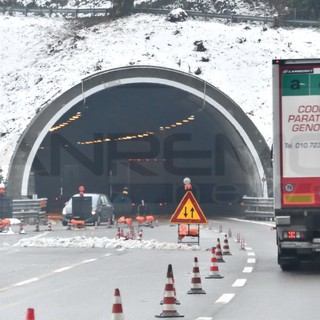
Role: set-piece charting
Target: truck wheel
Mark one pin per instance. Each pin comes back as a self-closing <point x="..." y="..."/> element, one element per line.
<point x="288" y="263"/>
<point x="289" y="266"/>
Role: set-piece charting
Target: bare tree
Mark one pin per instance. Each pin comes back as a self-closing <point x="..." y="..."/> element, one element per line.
<point x="121" y="8"/>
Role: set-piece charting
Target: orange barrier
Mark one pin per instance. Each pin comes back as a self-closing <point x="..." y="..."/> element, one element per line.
<point x="185" y="231"/>
<point x="121" y="219"/>
<point x="149" y="218"/>
<point x="4" y="223"/>
<point x="140" y="219"/>
<point x="78" y="223"/>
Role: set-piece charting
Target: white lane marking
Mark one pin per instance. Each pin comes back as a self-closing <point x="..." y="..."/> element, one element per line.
<point x="251" y="260"/>
<point x="239" y="283"/>
<point x="247" y="269"/>
<point x="89" y="260"/>
<point x="271" y="224"/>
<point x="205" y="318"/>
<point x="251" y="254"/>
<point x="248" y="248"/>
<point x="22" y="283"/>
<point x="49" y="274"/>
<point x="108" y="254"/>
<point x="225" y="298"/>
<point x="63" y="269"/>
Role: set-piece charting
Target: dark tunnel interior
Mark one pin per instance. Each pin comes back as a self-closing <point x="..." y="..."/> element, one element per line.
<point x="147" y="137"/>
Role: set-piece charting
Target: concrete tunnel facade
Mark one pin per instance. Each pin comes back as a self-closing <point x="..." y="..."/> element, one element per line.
<point x="147" y="128"/>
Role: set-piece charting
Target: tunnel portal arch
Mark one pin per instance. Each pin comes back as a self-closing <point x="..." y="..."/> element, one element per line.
<point x="215" y="108"/>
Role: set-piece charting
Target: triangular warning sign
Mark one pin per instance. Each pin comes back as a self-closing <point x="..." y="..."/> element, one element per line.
<point x="188" y="211"/>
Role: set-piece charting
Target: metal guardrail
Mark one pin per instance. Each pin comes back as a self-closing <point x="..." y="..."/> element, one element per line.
<point x="258" y="208"/>
<point x="208" y="15"/>
<point x="50" y="11"/>
<point x="29" y="209"/>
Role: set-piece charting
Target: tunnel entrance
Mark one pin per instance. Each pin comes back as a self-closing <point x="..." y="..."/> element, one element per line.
<point x="148" y="136"/>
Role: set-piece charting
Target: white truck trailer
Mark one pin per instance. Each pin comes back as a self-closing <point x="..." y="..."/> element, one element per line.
<point x="296" y="159"/>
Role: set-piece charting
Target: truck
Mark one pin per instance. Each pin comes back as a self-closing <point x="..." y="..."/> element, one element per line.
<point x="296" y="160"/>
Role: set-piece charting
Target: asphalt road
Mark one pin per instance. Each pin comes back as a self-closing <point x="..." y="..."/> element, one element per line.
<point x="79" y="283"/>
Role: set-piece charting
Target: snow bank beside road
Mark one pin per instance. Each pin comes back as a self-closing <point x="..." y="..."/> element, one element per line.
<point x="104" y="242"/>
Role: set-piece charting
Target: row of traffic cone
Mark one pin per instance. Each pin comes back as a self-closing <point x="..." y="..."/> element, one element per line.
<point x="238" y="238"/>
<point x="170" y="300"/>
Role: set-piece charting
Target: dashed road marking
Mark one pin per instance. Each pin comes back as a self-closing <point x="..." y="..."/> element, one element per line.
<point x="225" y="298"/>
<point x="247" y="269"/>
<point x="251" y="260"/>
<point x="251" y="254"/>
<point x="239" y="283"/>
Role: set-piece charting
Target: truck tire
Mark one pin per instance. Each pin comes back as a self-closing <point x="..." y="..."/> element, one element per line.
<point x="287" y="263"/>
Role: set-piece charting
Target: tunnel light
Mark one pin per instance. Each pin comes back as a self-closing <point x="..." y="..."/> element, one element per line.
<point x="138" y="136"/>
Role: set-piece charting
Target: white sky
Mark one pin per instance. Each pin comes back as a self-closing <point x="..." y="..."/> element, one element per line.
<point x="42" y="57"/>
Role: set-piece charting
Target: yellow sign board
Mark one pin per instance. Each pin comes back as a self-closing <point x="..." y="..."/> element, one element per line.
<point x="188" y="211"/>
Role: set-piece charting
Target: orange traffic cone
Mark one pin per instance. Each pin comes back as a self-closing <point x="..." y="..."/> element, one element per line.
<point x="242" y="244"/>
<point x="37" y="226"/>
<point x="169" y="301"/>
<point x="119" y="234"/>
<point x="22" y="231"/>
<point x="49" y="223"/>
<point x="117" y="313"/>
<point x="196" y="287"/>
<point x="139" y="235"/>
<point x="229" y="233"/>
<point x="218" y="252"/>
<point x="109" y="223"/>
<point x="238" y="237"/>
<point x="226" y="249"/>
<point x="174" y="287"/>
<point x="214" y="269"/>
<point x="30" y="314"/>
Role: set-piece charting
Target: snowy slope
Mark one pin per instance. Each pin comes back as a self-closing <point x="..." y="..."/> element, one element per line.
<point x="43" y="57"/>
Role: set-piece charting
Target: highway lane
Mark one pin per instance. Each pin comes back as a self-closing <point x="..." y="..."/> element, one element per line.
<point x="78" y="283"/>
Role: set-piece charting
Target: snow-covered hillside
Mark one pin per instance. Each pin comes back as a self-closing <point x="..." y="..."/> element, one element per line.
<point x="42" y="57"/>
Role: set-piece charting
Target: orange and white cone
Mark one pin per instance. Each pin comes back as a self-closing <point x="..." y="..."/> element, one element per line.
<point x="196" y="286"/>
<point x="229" y="233"/>
<point x="37" y="226"/>
<point x="242" y="244"/>
<point x="21" y="230"/>
<point x="117" y="313"/>
<point x="169" y="300"/>
<point x="220" y="228"/>
<point x="238" y="237"/>
<point x="30" y="314"/>
<point x="139" y="235"/>
<point x="219" y="252"/>
<point x="174" y="287"/>
<point x="49" y="224"/>
<point x="214" y="269"/>
<point x="118" y="236"/>
<point x="109" y="223"/>
<point x="225" y="248"/>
